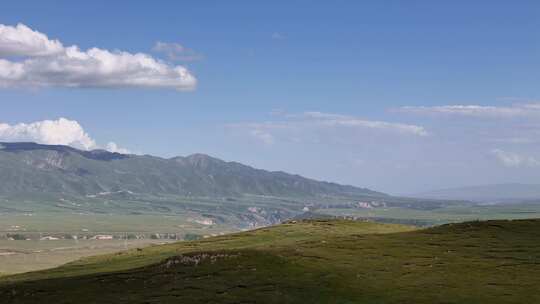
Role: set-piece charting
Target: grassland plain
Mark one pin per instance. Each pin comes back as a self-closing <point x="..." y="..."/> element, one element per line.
<point x="32" y="255"/>
<point x="438" y="216"/>
<point x="316" y="261"/>
<point x="35" y="254"/>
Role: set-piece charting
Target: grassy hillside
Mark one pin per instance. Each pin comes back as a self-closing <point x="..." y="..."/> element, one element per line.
<point x="308" y="262"/>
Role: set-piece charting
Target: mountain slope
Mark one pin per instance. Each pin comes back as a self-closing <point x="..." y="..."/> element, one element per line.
<point x="45" y="180"/>
<point x="33" y="169"/>
<point x="308" y="262"/>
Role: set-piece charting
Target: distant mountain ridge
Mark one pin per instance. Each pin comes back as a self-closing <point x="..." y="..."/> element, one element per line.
<point x="496" y="193"/>
<point x="36" y="169"/>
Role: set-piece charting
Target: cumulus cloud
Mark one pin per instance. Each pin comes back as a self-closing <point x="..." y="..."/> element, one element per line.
<point x="176" y="51"/>
<point x="514" y="160"/>
<point x="113" y="147"/>
<point x="57" y="132"/>
<point x="517" y="110"/>
<point x="42" y="62"/>
<point x="21" y="40"/>
<point x="312" y="126"/>
<point x="53" y="132"/>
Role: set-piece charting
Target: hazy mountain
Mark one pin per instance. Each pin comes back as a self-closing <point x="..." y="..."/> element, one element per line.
<point x="29" y="169"/>
<point x="497" y="193"/>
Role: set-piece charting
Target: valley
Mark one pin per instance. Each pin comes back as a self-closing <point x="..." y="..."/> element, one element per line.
<point x="269" y="152"/>
<point x="58" y="204"/>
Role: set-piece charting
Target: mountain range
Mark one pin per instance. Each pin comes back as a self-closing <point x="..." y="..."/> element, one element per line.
<point x="30" y="169"/>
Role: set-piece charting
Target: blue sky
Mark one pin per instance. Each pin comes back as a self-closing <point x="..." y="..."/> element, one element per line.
<point x="400" y="96"/>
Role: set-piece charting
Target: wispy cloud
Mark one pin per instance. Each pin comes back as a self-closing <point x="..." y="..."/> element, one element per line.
<point x="28" y="58"/>
<point x="517" y="110"/>
<point x="54" y="132"/>
<point x="177" y="52"/>
<point x="514" y="160"/>
<point x="518" y="140"/>
<point x="330" y="119"/>
<point x="309" y="125"/>
<point x="262" y="135"/>
<point x="277" y="36"/>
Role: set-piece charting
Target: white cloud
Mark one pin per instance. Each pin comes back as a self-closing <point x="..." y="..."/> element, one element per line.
<point x="263" y="136"/>
<point x="113" y="147"/>
<point x="313" y="126"/>
<point x="48" y="62"/>
<point x="514" y="160"/>
<point x="344" y="120"/>
<point x="23" y="41"/>
<point x="321" y="115"/>
<point x="517" y="110"/>
<point x="177" y="52"/>
<point x="53" y="132"/>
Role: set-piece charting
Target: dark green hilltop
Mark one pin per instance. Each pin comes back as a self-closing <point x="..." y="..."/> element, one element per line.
<point x="313" y="261"/>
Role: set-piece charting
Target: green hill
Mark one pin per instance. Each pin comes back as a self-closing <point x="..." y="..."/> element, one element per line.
<point x="314" y="261"/>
